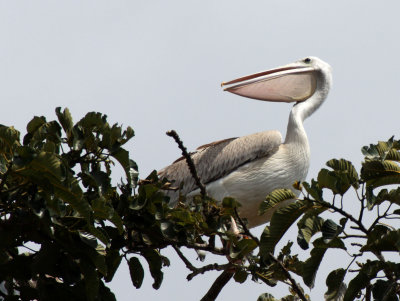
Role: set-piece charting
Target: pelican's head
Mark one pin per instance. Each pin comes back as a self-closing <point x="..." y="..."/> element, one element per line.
<point x="294" y="82"/>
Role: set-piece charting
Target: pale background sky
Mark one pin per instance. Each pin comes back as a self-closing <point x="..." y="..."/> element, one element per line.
<point x="157" y="65"/>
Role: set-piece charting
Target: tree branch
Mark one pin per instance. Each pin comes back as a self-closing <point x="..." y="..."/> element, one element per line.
<point x="188" y="264"/>
<point x="202" y="270"/>
<point x="218" y="285"/>
<point x="344" y="213"/>
<point x="295" y="286"/>
<point x="379" y="217"/>
<point x="207" y="268"/>
<point x="189" y="162"/>
<point x="166" y="243"/>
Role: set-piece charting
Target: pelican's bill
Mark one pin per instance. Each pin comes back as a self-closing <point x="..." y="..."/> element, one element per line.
<point x="286" y="84"/>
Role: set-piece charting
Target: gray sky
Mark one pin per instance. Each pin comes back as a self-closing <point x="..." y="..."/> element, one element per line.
<point x="157" y="65"/>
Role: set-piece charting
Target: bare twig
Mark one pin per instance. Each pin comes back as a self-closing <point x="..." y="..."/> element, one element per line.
<point x="345" y="214"/>
<point x="345" y="236"/>
<point x="209" y="267"/>
<point x="379" y="217"/>
<point x="202" y="247"/>
<point x="189" y="162"/>
<point x="218" y="285"/>
<point x="361" y="210"/>
<point x="351" y="262"/>
<point x="188" y="264"/>
<point x="202" y="270"/>
<point x="245" y="229"/>
<point x="295" y="286"/>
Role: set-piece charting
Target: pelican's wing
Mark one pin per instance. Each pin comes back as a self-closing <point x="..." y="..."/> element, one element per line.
<point x="215" y="160"/>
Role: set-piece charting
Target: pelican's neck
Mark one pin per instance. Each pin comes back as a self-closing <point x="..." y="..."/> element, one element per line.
<point x="295" y="131"/>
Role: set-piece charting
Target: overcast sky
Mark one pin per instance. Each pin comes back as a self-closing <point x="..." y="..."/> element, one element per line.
<point x="158" y="65"/>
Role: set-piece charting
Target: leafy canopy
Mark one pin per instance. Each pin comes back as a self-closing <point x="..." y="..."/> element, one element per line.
<point x="65" y="227"/>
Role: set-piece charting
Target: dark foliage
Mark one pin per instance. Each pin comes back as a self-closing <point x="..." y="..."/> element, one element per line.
<point x="65" y="227"/>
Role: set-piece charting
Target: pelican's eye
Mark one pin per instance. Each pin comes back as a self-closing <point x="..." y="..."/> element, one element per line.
<point x="307" y="60"/>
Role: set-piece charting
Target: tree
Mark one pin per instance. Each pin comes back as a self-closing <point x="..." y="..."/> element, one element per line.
<point x="65" y="227"/>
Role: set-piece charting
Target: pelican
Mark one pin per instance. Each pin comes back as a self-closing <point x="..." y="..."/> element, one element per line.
<point x="249" y="168"/>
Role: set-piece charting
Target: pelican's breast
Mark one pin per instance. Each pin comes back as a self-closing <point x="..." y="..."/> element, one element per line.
<point x="252" y="182"/>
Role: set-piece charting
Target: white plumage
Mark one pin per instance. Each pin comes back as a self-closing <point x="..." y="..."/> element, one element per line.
<point x="250" y="167"/>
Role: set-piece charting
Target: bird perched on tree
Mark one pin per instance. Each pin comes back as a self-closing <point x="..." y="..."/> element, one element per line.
<point x="249" y="168"/>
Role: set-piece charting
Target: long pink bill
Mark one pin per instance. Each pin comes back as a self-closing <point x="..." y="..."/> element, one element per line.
<point x="285" y="84"/>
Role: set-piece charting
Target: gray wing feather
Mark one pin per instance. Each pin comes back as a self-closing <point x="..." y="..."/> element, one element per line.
<point x="215" y="160"/>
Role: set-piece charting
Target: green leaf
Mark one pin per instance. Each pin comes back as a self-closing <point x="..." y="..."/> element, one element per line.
<point x="243" y="248"/>
<point x="309" y="225"/>
<point x="328" y="179"/>
<point x="384" y="290"/>
<point x="9" y="139"/>
<point x="47" y="164"/>
<point x="393" y="196"/>
<point x="50" y="147"/>
<point x="281" y="220"/>
<point x="330" y="230"/>
<point x="311" y="265"/>
<point x="230" y="203"/>
<point x="266" y="297"/>
<point x="65" y="119"/>
<point x="240" y="275"/>
<point x="101" y="209"/>
<point x="341" y="178"/>
<point x="336" y="243"/>
<point x="100" y="263"/>
<point x="102" y="180"/>
<point x="88" y="239"/>
<point x="98" y="233"/>
<point x="377" y="173"/>
<point x="154" y="260"/>
<point x="382" y="239"/>
<point x="346" y="170"/>
<point x="46" y="169"/>
<point x="382" y="151"/>
<point x="313" y="190"/>
<point x="335" y="284"/>
<point x="73" y="196"/>
<point x="40" y="131"/>
<point x="113" y="260"/>
<point x="91" y="280"/>
<point x="35" y="124"/>
<point x="370" y="196"/>
<point x="136" y="271"/>
<point x="117" y="221"/>
<point x="181" y="216"/>
<point x="274" y="198"/>
<point x="94" y="121"/>
<point x="129" y="133"/>
<point x="129" y="166"/>
<point x="105" y="293"/>
<point x="393" y="155"/>
<point x="368" y="271"/>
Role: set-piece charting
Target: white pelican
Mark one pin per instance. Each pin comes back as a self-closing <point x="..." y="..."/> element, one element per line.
<point x="250" y="167"/>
